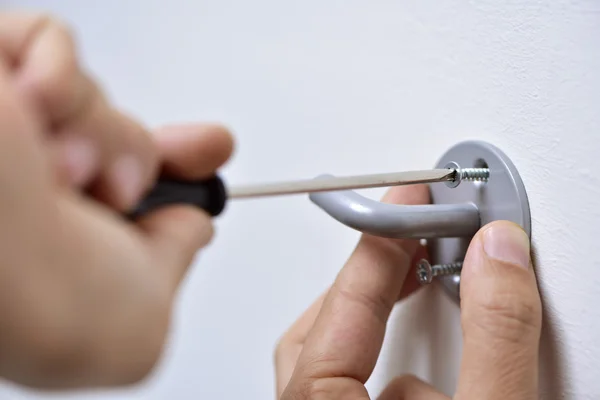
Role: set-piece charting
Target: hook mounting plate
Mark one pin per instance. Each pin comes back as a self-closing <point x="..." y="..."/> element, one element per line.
<point x="503" y="197"/>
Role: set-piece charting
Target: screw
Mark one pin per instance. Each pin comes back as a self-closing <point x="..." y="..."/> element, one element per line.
<point x="426" y="272"/>
<point x="467" y="174"/>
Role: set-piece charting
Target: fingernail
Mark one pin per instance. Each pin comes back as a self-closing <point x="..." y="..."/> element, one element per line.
<point x="508" y="243"/>
<point x="126" y="173"/>
<point x="79" y="158"/>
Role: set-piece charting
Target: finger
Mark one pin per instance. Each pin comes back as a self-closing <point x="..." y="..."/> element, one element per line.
<point x="129" y="160"/>
<point x="344" y="344"/>
<point x="42" y="51"/>
<point x="175" y="234"/>
<point x="290" y="346"/>
<point x="411" y="284"/>
<point x="42" y="54"/>
<point x="21" y="147"/>
<point x="93" y="141"/>
<point x="193" y="151"/>
<point x="108" y="153"/>
<point x="501" y="316"/>
<point x="410" y="387"/>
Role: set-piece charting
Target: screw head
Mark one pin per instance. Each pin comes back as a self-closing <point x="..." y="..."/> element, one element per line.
<point x="424" y="272"/>
<point x="457" y="178"/>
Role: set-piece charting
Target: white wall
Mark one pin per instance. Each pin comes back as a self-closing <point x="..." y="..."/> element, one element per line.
<point x="357" y="87"/>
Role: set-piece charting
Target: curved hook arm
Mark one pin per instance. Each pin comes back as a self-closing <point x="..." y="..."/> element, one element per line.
<point x="399" y="221"/>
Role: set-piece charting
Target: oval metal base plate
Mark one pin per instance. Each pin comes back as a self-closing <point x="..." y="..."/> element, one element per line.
<point x="503" y="197"/>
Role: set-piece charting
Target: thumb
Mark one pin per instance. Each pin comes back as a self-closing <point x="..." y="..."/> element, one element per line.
<point x="501" y="317"/>
<point x="175" y="234"/>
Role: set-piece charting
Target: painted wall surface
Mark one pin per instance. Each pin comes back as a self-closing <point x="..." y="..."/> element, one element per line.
<point x="350" y="87"/>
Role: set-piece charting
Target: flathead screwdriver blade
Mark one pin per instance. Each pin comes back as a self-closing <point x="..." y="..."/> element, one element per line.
<point x="326" y="184"/>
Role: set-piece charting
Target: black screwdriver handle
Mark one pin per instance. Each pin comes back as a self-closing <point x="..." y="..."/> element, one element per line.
<point x="209" y="194"/>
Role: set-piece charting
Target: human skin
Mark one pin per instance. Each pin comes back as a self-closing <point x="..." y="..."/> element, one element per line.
<point x="331" y="350"/>
<point x="85" y="295"/>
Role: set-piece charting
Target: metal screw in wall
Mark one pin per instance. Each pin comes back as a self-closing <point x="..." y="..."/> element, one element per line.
<point x="467" y="174"/>
<point x="426" y="272"/>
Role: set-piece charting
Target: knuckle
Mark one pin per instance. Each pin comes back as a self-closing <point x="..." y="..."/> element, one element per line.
<point x="60" y="30"/>
<point x="377" y="304"/>
<point x="318" y="389"/>
<point x="35" y="21"/>
<point x="136" y="139"/>
<point x="331" y="388"/>
<point x="404" y="381"/>
<point x="310" y="389"/>
<point x="402" y="386"/>
<point x="319" y="366"/>
<point x="65" y="29"/>
<point x="297" y="390"/>
<point x="52" y="61"/>
<point x="509" y="317"/>
<point x="44" y="22"/>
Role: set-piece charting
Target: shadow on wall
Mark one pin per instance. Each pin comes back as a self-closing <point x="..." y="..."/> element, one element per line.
<point x="424" y="338"/>
<point x="552" y="371"/>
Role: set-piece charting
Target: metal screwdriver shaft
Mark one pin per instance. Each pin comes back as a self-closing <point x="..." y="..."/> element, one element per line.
<point x="343" y="183"/>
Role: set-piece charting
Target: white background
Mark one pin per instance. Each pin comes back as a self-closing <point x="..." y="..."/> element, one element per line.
<point x="350" y="87"/>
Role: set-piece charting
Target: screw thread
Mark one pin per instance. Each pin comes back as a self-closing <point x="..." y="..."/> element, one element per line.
<point x="475" y="174"/>
<point x="447" y="269"/>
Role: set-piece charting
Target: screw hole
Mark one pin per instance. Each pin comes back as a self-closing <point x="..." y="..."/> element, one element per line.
<point x="480" y="163"/>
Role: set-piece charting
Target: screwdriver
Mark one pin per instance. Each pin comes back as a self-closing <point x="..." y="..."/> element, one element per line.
<point x="211" y="195"/>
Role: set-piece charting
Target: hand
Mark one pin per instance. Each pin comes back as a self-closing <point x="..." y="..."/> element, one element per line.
<point x="330" y="352"/>
<point x="85" y="296"/>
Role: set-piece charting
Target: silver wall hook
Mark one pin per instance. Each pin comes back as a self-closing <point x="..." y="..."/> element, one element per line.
<point x="457" y="212"/>
<point x="399" y="221"/>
